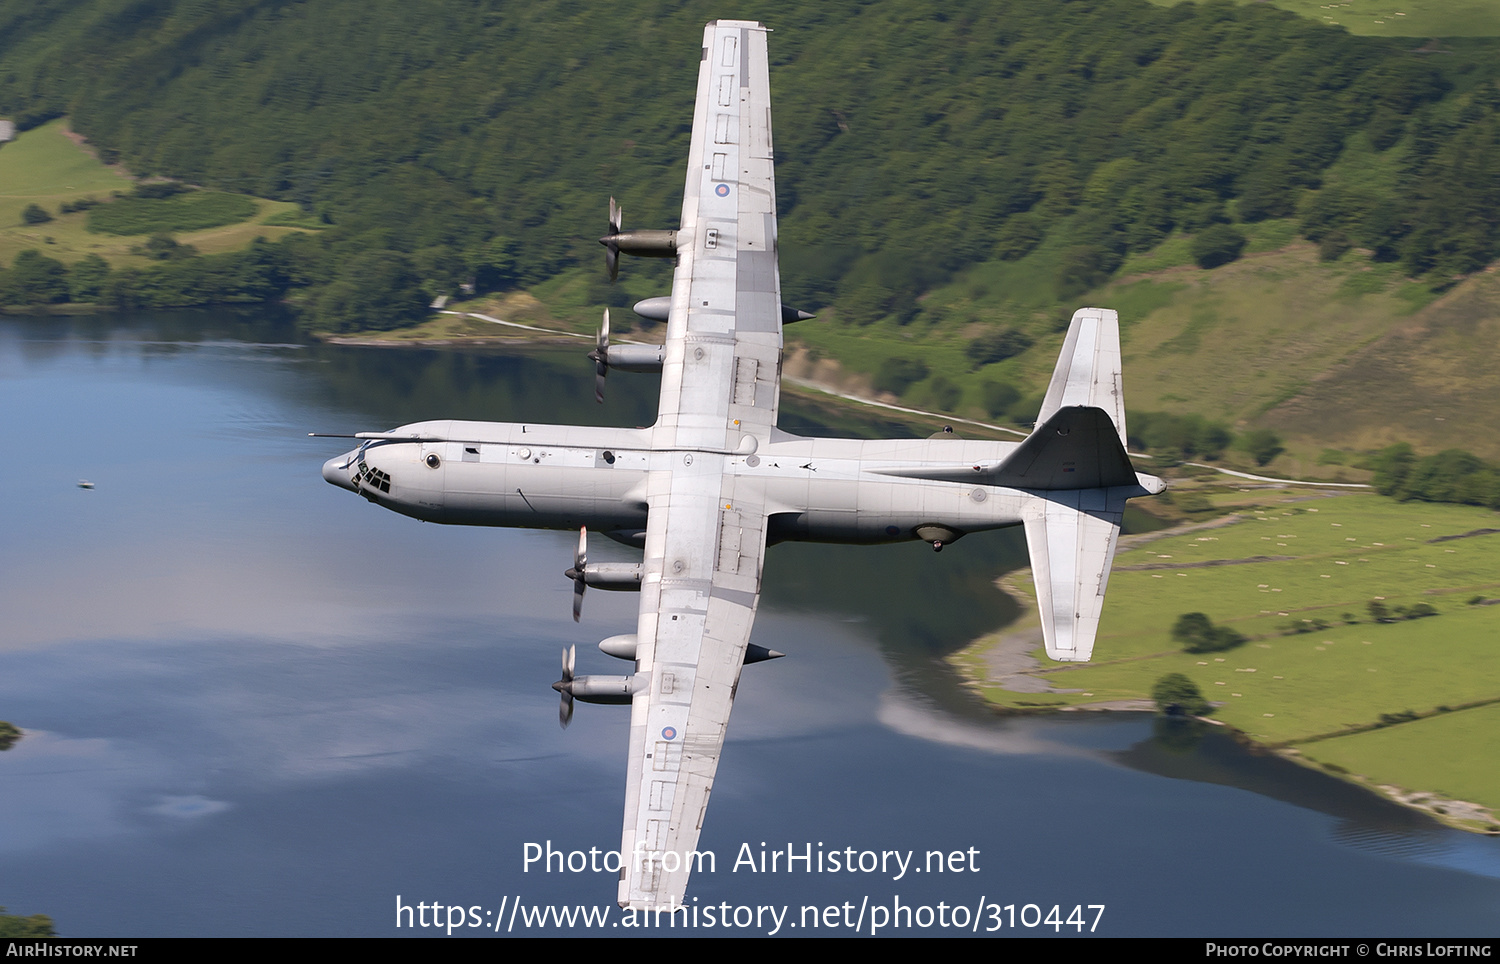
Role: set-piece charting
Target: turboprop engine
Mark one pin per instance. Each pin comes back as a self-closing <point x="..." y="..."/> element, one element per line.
<point x="646" y="243"/>
<point x="627" y="358"/>
<point x="616" y="576"/>
<point x="589" y="689"/>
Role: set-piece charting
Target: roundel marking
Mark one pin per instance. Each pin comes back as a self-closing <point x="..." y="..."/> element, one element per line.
<point x="722" y="190"/>
<point x="669" y="733"/>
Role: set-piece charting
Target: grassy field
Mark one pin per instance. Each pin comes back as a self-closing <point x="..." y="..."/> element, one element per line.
<point x="1398" y="18"/>
<point x="45" y="166"/>
<point x="1295" y="559"/>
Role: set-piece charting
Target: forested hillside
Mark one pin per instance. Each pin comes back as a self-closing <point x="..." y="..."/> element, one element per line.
<point x="452" y="141"/>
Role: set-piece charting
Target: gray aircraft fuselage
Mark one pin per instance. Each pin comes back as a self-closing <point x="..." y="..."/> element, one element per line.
<point x="564" y="477"/>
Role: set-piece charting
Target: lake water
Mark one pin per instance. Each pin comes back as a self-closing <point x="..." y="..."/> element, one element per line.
<point x="257" y="705"/>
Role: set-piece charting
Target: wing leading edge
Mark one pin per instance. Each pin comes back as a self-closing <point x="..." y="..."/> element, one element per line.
<point x="706" y="530"/>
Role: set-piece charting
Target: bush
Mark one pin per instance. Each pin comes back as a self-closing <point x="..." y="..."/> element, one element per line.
<point x="945" y="393"/>
<point x="1018" y="237"/>
<point x="896" y="375"/>
<point x="995" y="346"/>
<point x="190" y="211"/>
<point x="1216" y="245"/>
<point x="998" y="397"/>
<point x="158" y="189"/>
<point x="164" y="247"/>
<point x="35" y="214"/>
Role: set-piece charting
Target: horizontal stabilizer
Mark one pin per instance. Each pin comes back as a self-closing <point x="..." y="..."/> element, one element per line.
<point x="1072" y="537"/>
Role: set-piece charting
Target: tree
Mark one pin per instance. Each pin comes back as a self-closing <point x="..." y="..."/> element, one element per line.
<point x="1217" y="244"/>
<point x="86" y="278"/>
<point x="35" y="279"/>
<point x="35" y="214"/>
<point x="376" y="289"/>
<point x="1392" y="465"/>
<point x="1081" y="267"/>
<point x="9" y="734"/>
<point x="1182" y="435"/>
<point x="164" y="247"/>
<point x="1262" y="444"/>
<point x="1176" y="695"/>
<point x="1197" y="634"/>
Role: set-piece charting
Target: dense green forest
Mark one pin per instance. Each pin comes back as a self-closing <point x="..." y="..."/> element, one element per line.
<point x="449" y="142"/>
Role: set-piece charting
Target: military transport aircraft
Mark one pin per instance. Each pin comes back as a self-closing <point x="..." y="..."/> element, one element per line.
<point x="708" y="487"/>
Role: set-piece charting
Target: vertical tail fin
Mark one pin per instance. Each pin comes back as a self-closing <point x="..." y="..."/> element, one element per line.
<point x="1088" y="369"/>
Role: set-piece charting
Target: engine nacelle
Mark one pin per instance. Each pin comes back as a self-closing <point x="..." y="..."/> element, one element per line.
<point x="617" y="576"/>
<point x="599" y="689"/>
<point x="648" y="243"/>
<point x="635" y="358"/>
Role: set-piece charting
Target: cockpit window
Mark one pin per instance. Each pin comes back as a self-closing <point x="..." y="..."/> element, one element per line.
<point x="372" y="478"/>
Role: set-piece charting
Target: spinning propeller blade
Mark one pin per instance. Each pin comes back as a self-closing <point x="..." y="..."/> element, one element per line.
<point x="564" y="687"/>
<point x="580" y="560"/>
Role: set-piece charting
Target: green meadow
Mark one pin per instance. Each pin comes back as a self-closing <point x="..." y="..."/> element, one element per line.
<point x="45" y="166"/>
<point x="1296" y="574"/>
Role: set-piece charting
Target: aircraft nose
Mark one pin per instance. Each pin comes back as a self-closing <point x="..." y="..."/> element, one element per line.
<point x="336" y="472"/>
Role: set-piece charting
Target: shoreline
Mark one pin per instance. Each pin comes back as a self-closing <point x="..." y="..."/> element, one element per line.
<point x="1006" y="658"/>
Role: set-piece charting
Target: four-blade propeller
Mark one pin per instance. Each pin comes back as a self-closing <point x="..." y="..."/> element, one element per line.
<point x="612" y="247"/>
<point x="564" y="687"/>
<point x="600" y="355"/>
<point x="580" y="563"/>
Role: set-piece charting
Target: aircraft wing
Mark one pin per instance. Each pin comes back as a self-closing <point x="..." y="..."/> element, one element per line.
<point x="706" y="531"/>
<point x="721" y="375"/>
